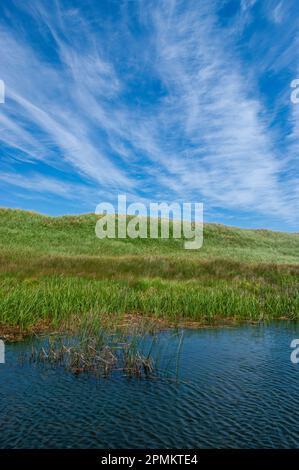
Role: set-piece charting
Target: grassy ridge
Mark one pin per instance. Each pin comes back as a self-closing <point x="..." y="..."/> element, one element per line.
<point x="35" y="234"/>
<point x="55" y="270"/>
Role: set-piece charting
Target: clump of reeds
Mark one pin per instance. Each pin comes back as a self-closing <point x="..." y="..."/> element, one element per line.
<point x="137" y="365"/>
<point x="94" y="356"/>
<point x="133" y="346"/>
<point x="75" y="359"/>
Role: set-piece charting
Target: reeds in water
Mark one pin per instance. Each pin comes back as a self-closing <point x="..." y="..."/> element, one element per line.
<point x="132" y="356"/>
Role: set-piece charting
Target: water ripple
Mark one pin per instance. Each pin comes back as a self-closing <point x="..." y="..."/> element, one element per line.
<point x="238" y="389"/>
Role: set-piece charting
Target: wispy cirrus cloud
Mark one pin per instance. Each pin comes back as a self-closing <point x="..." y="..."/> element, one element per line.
<point x="156" y="99"/>
<point x="42" y="184"/>
<point x="230" y="150"/>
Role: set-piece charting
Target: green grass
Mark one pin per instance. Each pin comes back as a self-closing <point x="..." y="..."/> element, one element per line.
<point x="55" y="270"/>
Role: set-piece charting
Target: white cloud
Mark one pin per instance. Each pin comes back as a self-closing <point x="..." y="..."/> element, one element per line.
<point x="231" y="161"/>
<point x="247" y="4"/>
<point x="278" y="13"/>
<point x="42" y="184"/>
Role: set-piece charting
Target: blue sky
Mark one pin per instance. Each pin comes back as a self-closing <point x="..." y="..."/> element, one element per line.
<point x="163" y="100"/>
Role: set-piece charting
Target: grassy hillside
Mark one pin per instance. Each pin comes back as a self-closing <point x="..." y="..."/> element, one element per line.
<point x="56" y="269"/>
<point x="35" y="234"/>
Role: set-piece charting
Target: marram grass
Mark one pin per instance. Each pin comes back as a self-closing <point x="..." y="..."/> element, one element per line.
<point x="55" y="271"/>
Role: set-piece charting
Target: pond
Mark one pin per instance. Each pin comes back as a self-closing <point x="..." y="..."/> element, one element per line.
<point x="237" y="388"/>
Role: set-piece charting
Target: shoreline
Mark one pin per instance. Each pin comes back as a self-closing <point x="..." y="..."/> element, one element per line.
<point x="131" y="324"/>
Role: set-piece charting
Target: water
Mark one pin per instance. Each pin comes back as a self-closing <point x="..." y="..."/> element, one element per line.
<point x="238" y="389"/>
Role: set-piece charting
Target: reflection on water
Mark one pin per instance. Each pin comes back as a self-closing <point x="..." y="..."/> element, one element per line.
<point x="238" y="388"/>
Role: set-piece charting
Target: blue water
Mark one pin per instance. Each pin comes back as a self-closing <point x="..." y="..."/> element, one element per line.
<point x="238" y="388"/>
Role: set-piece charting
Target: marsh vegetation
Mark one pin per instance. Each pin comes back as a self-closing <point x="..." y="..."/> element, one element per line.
<point x="55" y="274"/>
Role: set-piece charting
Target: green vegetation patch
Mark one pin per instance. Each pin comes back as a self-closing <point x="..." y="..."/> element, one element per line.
<point x="55" y="270"/>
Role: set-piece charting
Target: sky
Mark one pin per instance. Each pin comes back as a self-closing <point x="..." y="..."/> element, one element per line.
<point x="160" y="100"/>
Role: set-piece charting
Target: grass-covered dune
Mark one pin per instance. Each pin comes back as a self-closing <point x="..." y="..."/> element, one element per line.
<point x="54" y="270"/>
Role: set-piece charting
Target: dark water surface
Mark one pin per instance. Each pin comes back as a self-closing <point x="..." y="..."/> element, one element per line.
<point x="238" y="389"/>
